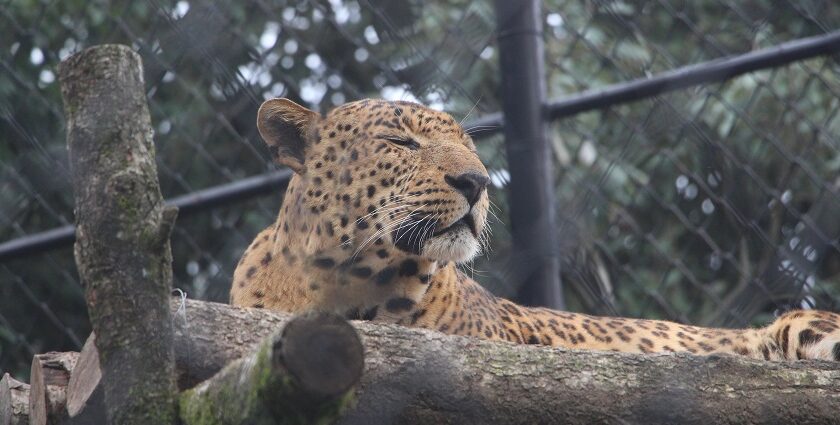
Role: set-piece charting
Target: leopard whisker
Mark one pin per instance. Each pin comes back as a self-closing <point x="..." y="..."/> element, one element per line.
<point x="476" y="129"/>
<point x="430" y="227"/>
<point x="413" y="228"/>
<point x="385" y="208"/>
<point x="396" y="218"/>
<point x="490" y="209"/>
<point x="419" y="225"/>
<point x="470" y="111"/>
<point x="384" y="230"/>
<point x="427" y="225"/>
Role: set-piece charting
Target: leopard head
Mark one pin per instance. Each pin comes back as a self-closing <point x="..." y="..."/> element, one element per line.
<point x="375" y="175"/>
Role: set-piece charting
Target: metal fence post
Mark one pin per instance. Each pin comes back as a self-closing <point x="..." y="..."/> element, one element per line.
<point x="531" y="192"/>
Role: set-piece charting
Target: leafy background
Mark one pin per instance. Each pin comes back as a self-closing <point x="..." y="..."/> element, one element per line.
<point x="709" y="205"/>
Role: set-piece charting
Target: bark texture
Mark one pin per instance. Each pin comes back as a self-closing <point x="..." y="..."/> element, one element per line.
<point x="14" y="401"/>
<point x="49" y="376"/>
<point x="302" y="375"/>
<point x="420" y="376"/>
<point x="122" y="231"/>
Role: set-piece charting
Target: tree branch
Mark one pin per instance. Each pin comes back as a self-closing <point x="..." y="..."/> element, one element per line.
<point x="122" y="231"/>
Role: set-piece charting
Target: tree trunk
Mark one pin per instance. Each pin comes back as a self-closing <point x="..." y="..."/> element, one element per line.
<point x="302" y="375"/>
<point x="48" y="386"/>
<point x="14" y="401"/>
<point x="122" y="231"/>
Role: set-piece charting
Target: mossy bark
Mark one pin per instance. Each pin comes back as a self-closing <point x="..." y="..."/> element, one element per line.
<point x="122" y="231"/>
<point x="291" y="378"/>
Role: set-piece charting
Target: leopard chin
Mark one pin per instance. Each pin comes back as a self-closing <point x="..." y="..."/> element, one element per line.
<point x="458" y="245"/>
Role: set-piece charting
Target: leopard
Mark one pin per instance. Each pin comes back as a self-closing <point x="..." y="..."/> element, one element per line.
<point x="388" y="198"/>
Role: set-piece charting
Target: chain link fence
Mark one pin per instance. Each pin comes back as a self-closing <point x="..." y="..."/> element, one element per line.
<point x="713" y="204"/>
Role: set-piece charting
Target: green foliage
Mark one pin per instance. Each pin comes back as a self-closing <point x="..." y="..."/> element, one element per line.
<point x="688" y="196"/>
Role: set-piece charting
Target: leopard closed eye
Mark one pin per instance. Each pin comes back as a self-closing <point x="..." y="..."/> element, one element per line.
<point x="388" y="196"/>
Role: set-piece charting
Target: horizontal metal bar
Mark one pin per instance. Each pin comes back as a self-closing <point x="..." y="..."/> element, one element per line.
<point x="43" y="241"/>
<point x="692" y="75"/>
<point x="231" y="192"/>
<point x="702" y="73"/>
<point x="187" y="204"/>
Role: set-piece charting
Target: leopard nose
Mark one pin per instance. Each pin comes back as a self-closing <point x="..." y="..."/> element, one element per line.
<point x="470" y="184"/>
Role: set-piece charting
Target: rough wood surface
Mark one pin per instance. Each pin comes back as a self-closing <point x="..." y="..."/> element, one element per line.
<point x="14" y="401"/>
<point x="85" y="401"/>
<point x="122" y="231"/>
<point x="48" y="380"/>
<point x="302" y="375"/>
<point x="420" y="376"/>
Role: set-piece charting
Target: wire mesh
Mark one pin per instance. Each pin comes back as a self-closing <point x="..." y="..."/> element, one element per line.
<point x="709" y="205"/>
<point x="696" y="205"/>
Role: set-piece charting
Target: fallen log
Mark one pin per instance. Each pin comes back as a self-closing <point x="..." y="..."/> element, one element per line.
<point x="415" y="376"/>
<point x="14" y="401"/>
<point x="303" y="374"/>
<point x="421" y="376"/>
<point x="48" y="386"/>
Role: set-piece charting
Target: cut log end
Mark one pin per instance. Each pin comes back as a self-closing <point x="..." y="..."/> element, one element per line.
<point x="49" y="377"/>
<point x="304" y="374"/>
<point x="323" y="352"/>
<point x="14" y="401"/>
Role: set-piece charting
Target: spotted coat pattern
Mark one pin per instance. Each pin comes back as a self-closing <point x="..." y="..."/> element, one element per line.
<point x="388" y="196"/>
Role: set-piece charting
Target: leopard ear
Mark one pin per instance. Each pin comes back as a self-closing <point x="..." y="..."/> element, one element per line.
<point x="287" y="129"/>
